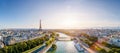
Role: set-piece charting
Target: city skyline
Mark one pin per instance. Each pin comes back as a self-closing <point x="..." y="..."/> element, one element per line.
<point x="59" y="14"/>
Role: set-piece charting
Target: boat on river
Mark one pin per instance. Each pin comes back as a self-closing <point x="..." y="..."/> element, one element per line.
<point x="78" y="47"/>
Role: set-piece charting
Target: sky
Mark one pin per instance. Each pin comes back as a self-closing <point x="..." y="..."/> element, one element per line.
<point x="59" y="14"/>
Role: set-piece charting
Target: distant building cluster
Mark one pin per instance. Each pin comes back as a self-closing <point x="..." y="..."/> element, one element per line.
<point x="9" y="37"/>
<point x="111" y="36"/>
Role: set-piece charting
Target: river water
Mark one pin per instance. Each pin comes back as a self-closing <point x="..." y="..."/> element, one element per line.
<point x="65" y="46"/>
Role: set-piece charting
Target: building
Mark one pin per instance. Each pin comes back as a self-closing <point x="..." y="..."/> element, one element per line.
<point x="1" y="38"/>
<point x="9" y="40"/>
<point x="115" y="41"/>
<point x="1" y="44"/>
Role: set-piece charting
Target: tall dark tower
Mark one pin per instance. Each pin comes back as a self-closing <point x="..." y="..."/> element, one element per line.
<point x="40" y="27"/>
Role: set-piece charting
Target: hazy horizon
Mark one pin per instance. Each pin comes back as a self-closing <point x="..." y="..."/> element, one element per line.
<point x="59" y="14"/>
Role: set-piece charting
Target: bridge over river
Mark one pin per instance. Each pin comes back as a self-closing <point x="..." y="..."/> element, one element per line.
<point x="63" y="38"/>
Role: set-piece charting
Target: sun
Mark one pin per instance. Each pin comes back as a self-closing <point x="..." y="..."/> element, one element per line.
<point x="69" y="22"/>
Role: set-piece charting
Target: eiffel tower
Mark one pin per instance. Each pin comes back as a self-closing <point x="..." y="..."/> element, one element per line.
<point x="40" y="27"/>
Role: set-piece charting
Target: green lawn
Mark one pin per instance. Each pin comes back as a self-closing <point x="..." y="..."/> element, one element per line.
<point x="33" y="49"/>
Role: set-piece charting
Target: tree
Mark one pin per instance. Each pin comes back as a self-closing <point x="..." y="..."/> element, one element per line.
<point x="54" y="46"/>
<point x="102" y="51"/>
